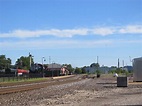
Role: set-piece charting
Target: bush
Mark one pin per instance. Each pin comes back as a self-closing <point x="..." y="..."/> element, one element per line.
<point x="98" y="72"/>
<point x="78" y="71"/>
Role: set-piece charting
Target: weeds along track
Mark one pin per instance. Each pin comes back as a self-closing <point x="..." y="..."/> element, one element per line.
<point x="32" y="86"/>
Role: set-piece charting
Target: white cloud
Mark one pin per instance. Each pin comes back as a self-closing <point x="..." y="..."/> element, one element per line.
<point x="103" y="31"/>
<point x="57" y="32"/>
<point x="39" y="33"/>
<point x="48" y="44"/>
<point x="133" y="29"/>
<point x="131" y="41"/>
<point x="45" y="44"/>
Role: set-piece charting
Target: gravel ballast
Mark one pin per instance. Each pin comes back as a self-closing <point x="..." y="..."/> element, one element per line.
<point x="87" y="92"/>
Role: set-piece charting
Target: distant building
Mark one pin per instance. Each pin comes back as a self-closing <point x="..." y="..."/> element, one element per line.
<point x="49" y="70"/>
<point x="104" y="69"/>
<point x="57" y="69"/>
<point x="54" y="66"/>
<point x="93" y="69"/>
<point x="112" y="68"/>
<point x="128" y="68"/>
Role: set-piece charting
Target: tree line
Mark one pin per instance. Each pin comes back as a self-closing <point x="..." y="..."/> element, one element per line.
<point x="24" y="63"/>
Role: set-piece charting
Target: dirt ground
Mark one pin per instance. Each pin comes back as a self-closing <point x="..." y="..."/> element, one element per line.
<point x="87" y="92"/>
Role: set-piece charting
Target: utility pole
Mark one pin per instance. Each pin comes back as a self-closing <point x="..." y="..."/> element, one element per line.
<point x="97" y="59"/>
<point x="53" y="68"/>
<point x="118" y="66"/>
<point x="43" y="59"/>
<point x="118" y="63"/>
<point x="123" y="64"/>
<point x="97" y="65"/>
<point x="97" y="62"/>
<point x="30" y="58"/>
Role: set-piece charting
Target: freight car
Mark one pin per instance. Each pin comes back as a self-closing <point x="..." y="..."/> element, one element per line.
<point x="21" y="72"/>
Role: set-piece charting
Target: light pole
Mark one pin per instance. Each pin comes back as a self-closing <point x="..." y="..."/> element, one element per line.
<point x="43" y="59"/>
<point x="30" y="58"/>
<point x="52" y="68"/>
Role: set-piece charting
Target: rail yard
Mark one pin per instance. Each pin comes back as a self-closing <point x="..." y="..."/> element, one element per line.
<point x="25" y="86"/>
<point x="77" y="90"/>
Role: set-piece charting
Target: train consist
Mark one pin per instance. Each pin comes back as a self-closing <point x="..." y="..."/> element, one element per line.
<point x="39" y="70"/>
<point x="22" y="72"/>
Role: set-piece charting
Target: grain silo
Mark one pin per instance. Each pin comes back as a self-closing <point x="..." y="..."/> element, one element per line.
<point x="137" y="68"/>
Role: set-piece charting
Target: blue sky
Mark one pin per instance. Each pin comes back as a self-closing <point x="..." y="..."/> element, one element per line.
<point x="72" y="31"/>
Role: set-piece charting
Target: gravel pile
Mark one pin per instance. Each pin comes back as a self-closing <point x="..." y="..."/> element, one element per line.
<point x="87" y="92"/>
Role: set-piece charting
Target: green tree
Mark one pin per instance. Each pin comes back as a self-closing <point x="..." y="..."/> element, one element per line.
<point x="24" y="62"/>
<point x="95" y="65"/>
<point x="83" y="70"/>
<point x="4" y="62"/>
<point x="78" y="70"/>
<point x="112" y="71"/>
<point x="98" y="72"/>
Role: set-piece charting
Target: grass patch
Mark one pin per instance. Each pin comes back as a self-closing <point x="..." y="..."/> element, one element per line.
<point x="9" y="82"/>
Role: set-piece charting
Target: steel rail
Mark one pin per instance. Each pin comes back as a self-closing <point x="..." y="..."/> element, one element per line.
<point x="26" y="87"/>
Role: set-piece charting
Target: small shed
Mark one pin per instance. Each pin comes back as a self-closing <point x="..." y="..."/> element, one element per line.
<point x="137" y="68"/>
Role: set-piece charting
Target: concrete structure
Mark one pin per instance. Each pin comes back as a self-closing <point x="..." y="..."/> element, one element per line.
<point x="137" y="67"/>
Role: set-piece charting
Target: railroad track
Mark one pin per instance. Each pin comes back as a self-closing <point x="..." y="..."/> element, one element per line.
<point x="135" y="83"/>
<point x="26" y="87"/>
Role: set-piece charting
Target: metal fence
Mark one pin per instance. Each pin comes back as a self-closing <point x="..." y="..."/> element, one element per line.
<point x="13" y="77"/>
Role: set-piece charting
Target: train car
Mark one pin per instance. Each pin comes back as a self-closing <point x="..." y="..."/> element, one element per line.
<point x="21" y="72"/>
